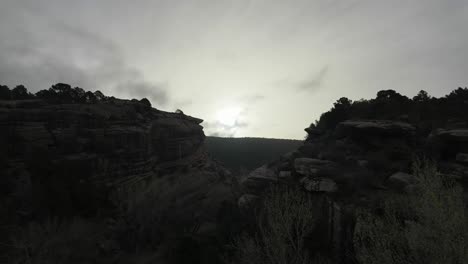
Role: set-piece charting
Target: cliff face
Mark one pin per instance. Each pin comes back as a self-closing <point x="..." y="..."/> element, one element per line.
<point x="356" y="161"/>
<point x="67" y="157"/>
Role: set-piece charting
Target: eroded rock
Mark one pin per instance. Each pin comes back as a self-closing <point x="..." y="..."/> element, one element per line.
<point x="319" y="184"/>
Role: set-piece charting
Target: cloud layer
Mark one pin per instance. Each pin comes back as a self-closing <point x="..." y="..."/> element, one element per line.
<point x="283" y="62"/>
<point x="48" y="51"/>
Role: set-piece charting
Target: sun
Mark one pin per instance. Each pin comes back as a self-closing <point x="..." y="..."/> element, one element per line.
<point x="228" y="116"/>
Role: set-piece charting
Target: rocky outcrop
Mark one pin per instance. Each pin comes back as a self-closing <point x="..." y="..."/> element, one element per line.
<point x="317" y="184"/>
<point x="401" y="181"/>
<point x="352" y="163"/>
<point x="63" y="158"/>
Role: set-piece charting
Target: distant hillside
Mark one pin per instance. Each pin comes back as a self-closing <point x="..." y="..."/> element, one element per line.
<point x="248" y="153"/>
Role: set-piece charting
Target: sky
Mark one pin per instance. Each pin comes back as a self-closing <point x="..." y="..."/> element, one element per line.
<point x="256" y="68"/>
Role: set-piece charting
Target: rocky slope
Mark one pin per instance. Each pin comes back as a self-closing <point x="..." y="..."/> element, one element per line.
<point x="67" y="158"/>
<point x="351" y="164"/>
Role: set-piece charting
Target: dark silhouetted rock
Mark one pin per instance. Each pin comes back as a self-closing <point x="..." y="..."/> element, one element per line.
<point x="319" y="184"/>
<point x="74" y="155"/>
<point x="462" y="158"/>
<point x="259" y="179"/>
<point x="383" y="128"/>
<point x="401" y="180"/>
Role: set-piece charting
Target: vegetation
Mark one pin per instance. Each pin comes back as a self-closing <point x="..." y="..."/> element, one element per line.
<point x="423" y="109"/>
<point x="58" y="93"/>
<point x="238" y="154"/>
<point x="55" y="241"/>
<point x="430" y="226"/>
<point x="286" y="218"/>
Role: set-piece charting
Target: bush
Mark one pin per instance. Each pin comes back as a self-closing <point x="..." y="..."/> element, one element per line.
<point x="288" y="216"/>
<point x="430" y="226"/>
<point x="5" y="93"/>
<point x="153" y="213"/>
<point x="55" y="242"/>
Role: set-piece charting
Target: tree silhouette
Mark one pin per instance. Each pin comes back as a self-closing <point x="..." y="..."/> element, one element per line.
<point x="20" y="92"/>
<point x="422" y="96"/>
<point x="5" y="93"/>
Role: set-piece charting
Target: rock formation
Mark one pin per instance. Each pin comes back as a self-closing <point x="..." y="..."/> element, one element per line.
<point x="67" y="158"/>
<point x="350" y="164"/>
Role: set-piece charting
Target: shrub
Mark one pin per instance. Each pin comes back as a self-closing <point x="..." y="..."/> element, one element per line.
<point x="154" y="213"/>
<point x="55" y="242"/>
<point x="429" y="226"/>
<point x="288" y="216"/>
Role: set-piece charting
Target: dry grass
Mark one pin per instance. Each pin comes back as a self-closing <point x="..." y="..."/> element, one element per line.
<point x="287" y="217"/>
<point x="54" y="242"/>
<point x="430" y="226"/>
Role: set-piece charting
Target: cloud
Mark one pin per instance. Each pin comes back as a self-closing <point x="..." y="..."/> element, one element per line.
<point x="41" y="51"/>
<point x="249" y="99"/>
<point x="310" y="84"/>
<point x="314" y="82"/>
<point x="218" y="129"/>
<point x="142" y="89"/>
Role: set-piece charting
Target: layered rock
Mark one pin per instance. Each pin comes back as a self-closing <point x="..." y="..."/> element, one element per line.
<point x="67" y="158"/>
<point x="351" y="164"/>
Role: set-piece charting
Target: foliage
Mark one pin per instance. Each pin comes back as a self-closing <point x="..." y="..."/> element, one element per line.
<point x="150" y="214"/>
<point x="55" y="242"/>
<point x="422" y="109"/>
<point x="5" y="93"/>
<point x="287" y="217"/>
<point x="430" y="226"/>
<point x="19" y="93"/>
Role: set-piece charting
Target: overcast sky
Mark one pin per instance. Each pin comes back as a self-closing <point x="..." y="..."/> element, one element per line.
<point x="265" y="68"/>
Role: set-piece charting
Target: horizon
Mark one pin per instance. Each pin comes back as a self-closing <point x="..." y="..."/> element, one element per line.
<point x="248" y="68"/>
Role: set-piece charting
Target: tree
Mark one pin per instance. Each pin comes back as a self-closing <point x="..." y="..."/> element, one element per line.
<point x="339" y="113"/>
<point x="5" y="93"/>
<point x="79" y="95"/>
<point x="343" y="102"/>
<point x="388" y="95"/>
<point x="20" y="92"/>
<point x="99" y="95"/>
<point x="288" y="216"/>
<point x="146" y="102"/>
<point x="90" y="97"/>
<point x="422" y="96"/>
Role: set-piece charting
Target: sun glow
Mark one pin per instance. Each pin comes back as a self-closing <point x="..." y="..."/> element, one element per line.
<point x="228" y="116"/>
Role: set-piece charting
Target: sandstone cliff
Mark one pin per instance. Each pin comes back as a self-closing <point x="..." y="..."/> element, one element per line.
<point x="66" y="158"/>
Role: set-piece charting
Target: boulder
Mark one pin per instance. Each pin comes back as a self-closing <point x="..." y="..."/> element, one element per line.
<point x="247" y="200"/>
<point x="401" y="180"/>
<point x="259" y="179"/>
<point x="315" y="167"/>
<point x="455" y="135"/>
<point x="462" y="158"/>
<point x="375" y="128"/>
<point x="285" y="175"/>
<point x="319" y="184"/>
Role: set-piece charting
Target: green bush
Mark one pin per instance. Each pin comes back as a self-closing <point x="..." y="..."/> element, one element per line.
<point x="429" y="226"/>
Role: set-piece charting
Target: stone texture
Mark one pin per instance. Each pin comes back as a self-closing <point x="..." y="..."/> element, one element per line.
<point x="259" y="179"/>
<point x="375" y="127"/>
<point x="401" y="180"/>
<point x="74" y="155"/>
<point x="462" y="158"/>
<point x="314" y="167"/>
<point x="319" y="184"/>
<point x="247" y="200"/>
